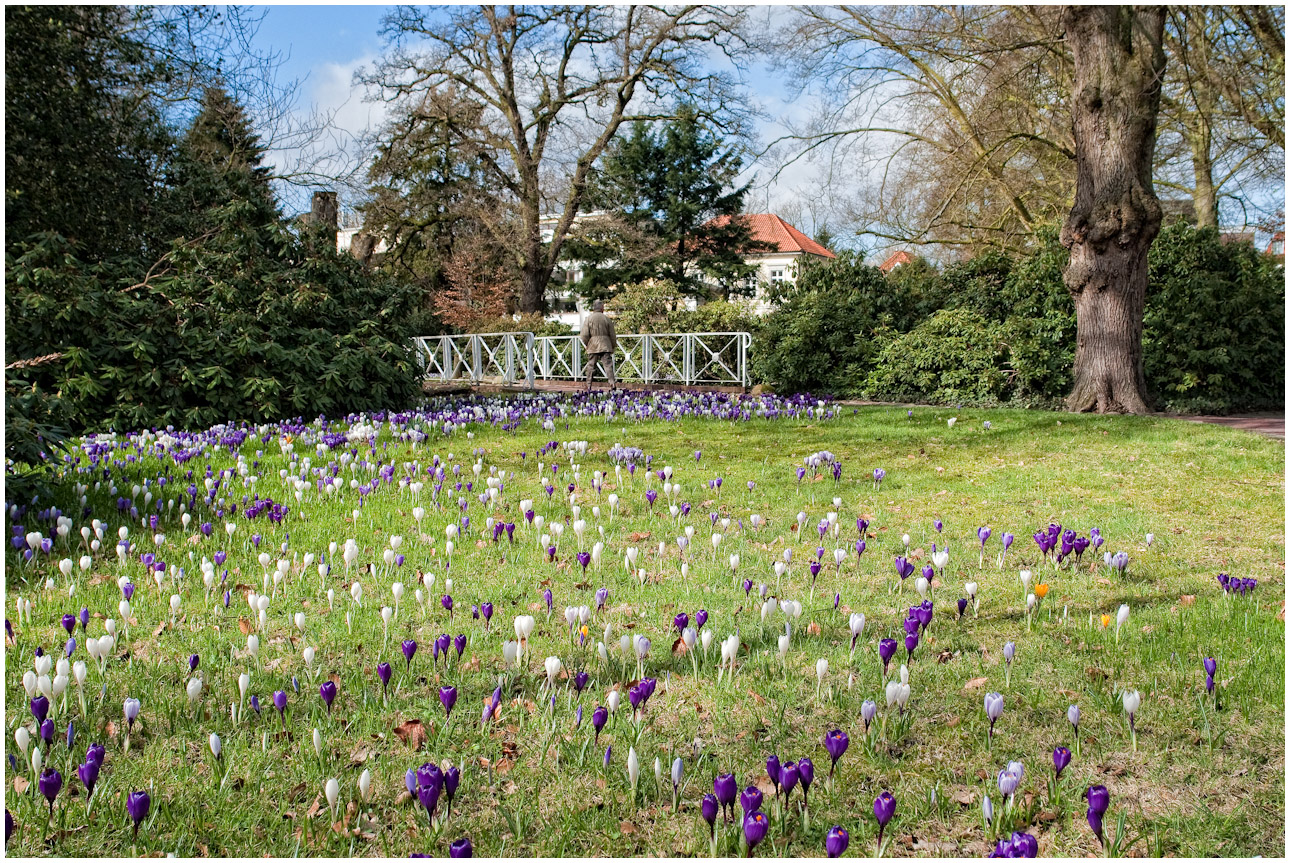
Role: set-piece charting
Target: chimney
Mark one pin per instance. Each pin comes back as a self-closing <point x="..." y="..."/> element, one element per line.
<point x="324" y="214"/>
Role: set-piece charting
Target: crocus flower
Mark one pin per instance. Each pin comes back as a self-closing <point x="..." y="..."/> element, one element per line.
<point x="836" y="742"/>
<point x="89" y="775"/>
<point x="459" y="643"/>
<point x="131" y="711"/>
<point x="1132" y="701"/>
<point x="51" y="782"/>
<point x="868" y="710"/>
<point x="1061" y="758"/>
<point x="384" y="672"/>
<point x="884" y="808"/>
<point x="69" y="622"/>
<point x="137" y="805"/>
<point x="772" y="770"/>
<point x="836" y="841"/>
<point x="708" y="808"/>
<point x="726" y="790"/>
<point x="788" y="777"/>
<point x="409" y="650"/>
<point x="461" y="848"/>
<point x="886" y="650"/>
<point x="750" y="800"/>
<point x="40" y="707"/>
<point x="280" y="702"/>
<point x="328" y="693"/>
<point x="1099" y="800"/>
<point x="448" y="698"/>
<point x="755" y="826"/>
<point x="599" y="717"/>
<point x="993" y="710"/>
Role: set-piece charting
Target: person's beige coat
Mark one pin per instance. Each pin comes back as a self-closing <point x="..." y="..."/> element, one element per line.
<point x="597" y="335"/>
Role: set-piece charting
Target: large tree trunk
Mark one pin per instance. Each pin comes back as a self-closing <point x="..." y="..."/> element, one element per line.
<point x="1119" y="63"/>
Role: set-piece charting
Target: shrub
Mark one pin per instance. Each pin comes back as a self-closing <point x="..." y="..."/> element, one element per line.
<point x="821" y="337"/>
<point x="954" y="356"/>
<point x="721" y="316"/>
<point x="1214" y="327"/>
<point x="251" y="322"/>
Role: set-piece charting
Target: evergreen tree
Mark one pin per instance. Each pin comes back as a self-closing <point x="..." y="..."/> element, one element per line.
<point x="675" y="184"/>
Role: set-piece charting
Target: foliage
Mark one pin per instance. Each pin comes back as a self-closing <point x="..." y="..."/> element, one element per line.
<point x="36" y="427"/>
<point x="535" y="324"/>
<point x="476" y="289"/>
<point x="1214" y="338"/>
<point x="84" y="143"/>
<point x="675" y="183"/>
<point x="250" y="322"/>
<point x="954" y="356"/>
<point x="644" y="307"/>
<point x="821" y="337"/>
<point x="428" y="194"/>
<point x="719" y="316"/>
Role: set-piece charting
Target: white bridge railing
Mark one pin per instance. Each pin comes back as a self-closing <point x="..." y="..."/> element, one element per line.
<point x="719" y="359"/>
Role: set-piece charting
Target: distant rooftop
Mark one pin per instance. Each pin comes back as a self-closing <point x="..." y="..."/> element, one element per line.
<point x="771" y="229"/>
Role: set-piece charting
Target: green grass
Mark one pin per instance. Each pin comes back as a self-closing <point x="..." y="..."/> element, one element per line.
<point x="1213" y="497"/>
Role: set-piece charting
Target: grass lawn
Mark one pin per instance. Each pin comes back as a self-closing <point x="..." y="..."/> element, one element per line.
<point x="1202" y="781"/>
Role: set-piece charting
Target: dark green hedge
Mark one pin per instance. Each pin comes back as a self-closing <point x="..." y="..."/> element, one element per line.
<point x="251" y="322"/>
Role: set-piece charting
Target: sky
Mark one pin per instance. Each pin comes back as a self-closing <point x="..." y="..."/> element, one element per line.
<point x="322" y="46"/>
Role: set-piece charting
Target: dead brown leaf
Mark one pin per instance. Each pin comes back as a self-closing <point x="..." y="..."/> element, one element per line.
<point x="110" y="729"/>
<point x="20" y="785"/>
<point x="245" y="625"/>
<point x="813" y="628"/>
<point x="627" y="827"/>
<point x="1187" y="600"/>
<point x="161" y="627"/>
<point x="963" y="796"/>
<point x="638" y="536"/>
<point x="975" y="683"/>
<point x="413" y="733"/>
<point x="756" y="697"/>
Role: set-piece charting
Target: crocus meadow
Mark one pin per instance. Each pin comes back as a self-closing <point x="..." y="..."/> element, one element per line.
<point x="637" y="624"/>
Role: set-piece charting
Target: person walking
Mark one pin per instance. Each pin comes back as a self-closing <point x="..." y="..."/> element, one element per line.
<point x="599" y="341"/>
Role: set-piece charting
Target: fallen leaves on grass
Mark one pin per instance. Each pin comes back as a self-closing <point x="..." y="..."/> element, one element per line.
<point x="413" y="733"/>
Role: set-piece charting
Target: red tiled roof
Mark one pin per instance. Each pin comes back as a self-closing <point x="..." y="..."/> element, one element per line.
<point x="896" y="259"/>
<point x="771" y="229"/>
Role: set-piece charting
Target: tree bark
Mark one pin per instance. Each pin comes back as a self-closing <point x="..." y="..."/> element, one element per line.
<point x="1119" y="65"/>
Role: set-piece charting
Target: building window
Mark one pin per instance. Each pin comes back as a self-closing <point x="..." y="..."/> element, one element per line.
<point x="776" y="277"/>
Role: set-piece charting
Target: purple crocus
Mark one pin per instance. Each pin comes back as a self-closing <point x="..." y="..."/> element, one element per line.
<point x="755" y="826"/>
<point x="51" y="782"/>
<point x="446" y="602"/>
<point x="69" y="623"/>
<point x="911" y="642"/>
<point x="461" y="847"/>
<point x="726" y="790"/>
<point x="580" y="681"/>
<point x="836" y="742"/>
<point x="1099" y="800"/>
<point x="772" y="770"/>
<point x="137" y="805"/>
<point x="40" y="707"/>
<point x="85" y="619"/>
<point x="886" y="650"/>
<point x="681" y="621"/>
<point x="409" y="650"/>
<point x="88" y="773"/>
<point x="459" y="644"/>
<point x="836" y="841"/>
<point x="328" y="693"/>
<point x="878" y="475"/>
<point x="788" y="777"/>
<point x="884" y="808"/>
<point x="708" y="808"/>
<point x="487" y="610"/>
<point x="448" y="698"/>
<point x="193" y="662"/>
<point x="750" y="800"/>
<point x="280" y="702"/>
<point x="1061" y="758"/>
<point x="599" y="717"/>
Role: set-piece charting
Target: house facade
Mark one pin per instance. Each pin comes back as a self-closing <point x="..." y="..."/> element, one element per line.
<point x="789" y="249"/>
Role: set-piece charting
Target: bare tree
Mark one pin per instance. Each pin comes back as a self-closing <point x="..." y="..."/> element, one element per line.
<point x="1223" y="104"/>
<point x="1119" y="62"/>
<point x="556" y="83"/>
<point x="958" y="113"/>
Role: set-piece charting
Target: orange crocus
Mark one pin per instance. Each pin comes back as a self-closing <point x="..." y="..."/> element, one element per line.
<point x="1041" y="590"/>
<point x="1106" y="621"/>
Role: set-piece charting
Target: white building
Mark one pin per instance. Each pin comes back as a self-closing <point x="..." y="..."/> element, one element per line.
<point x="780" y="264"/>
